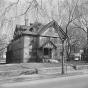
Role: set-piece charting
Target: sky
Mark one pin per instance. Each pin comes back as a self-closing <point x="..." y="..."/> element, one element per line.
<point x="31" y="14"/>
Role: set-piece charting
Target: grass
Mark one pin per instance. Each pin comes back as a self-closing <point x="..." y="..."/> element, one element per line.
<point x="8" y="67"/>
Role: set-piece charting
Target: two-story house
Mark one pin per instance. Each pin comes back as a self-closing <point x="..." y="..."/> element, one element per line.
<point x="35" y="43"/>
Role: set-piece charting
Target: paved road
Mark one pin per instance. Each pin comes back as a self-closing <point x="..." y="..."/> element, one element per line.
<point x="79" y="81"/>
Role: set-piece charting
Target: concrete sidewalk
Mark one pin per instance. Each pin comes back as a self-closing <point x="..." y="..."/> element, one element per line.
<point x="23" y="78"/>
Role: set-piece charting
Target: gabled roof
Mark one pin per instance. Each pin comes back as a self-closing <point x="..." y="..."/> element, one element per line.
<point x="55" y="25"/>
<point x="23" y="29"/>
<point x="48" y="44"/>
<point x="20" y="29"/>
<point x="23" y="26"/>
<point x="45" y="27"/>
<point x="29" y="33"/>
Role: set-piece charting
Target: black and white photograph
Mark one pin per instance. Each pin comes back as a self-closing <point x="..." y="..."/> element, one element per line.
<point x="43" y="43"/>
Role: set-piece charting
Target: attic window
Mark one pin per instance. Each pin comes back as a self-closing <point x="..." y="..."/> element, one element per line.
<point x="31" y="29"/>
<point x="24" y="29"/>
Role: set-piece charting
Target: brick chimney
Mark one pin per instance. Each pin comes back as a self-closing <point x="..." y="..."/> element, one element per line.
<point x="26" y="22"/>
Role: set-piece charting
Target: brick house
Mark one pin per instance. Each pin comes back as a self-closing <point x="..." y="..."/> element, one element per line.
<point x="36" y="42"/>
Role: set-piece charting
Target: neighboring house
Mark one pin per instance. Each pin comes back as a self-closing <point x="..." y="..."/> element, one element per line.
<point x="36" y="42"/>
<point x="3" y="55"/>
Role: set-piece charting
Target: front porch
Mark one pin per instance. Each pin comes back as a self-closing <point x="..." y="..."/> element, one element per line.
<point x="47" y="51"/>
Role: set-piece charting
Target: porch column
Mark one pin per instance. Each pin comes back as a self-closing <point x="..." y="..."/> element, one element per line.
<point x="49" y="48"/>
<point x="55" y="53"/>
<point x="49" y="51"/>
<point x="52" y="54"/>
<point x="43" y="54"/>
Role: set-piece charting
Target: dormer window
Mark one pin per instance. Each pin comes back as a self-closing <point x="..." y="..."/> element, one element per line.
<point x="31" y="29"/>
<point x="24" y="29"/>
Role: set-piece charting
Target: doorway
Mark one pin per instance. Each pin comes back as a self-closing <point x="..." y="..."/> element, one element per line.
<point x="47" y="52"/>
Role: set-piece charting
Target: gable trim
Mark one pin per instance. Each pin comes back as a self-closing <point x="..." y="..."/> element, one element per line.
<point x="44" y="44"/>
<point x="55" y="25"/>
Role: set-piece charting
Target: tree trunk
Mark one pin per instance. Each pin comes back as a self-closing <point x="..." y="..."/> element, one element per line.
<point x="68" y="50"/>
<point x="87" y="35"/>
<point x="62" y="58"/>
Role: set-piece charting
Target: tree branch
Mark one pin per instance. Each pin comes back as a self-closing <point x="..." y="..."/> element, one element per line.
<point x="7" y="9"/>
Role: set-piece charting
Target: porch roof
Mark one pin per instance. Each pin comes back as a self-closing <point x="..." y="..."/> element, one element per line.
<point x="48" y="44"/>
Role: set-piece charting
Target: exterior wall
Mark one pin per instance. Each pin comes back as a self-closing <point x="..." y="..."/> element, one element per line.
<point x="50" y="32"/>
<point x="18" y="44"/>
<point x="42" y="40"/>
<point x="25" y="48"/>
<point x="40" y="54"/>
<point x="56" y="54"/>
<point x="15" y="51"/>
<point x="30" y="49"/>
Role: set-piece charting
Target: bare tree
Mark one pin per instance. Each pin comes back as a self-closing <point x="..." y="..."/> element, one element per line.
<point x="76" y="40"/>
<point x="12" y="13"/>
<point x="67" y="13"/>
<point x="72" y="8"/>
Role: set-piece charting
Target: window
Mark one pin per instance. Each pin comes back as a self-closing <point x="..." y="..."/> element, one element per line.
<point x="24" y="29"/>
<point x="31" y="29"/>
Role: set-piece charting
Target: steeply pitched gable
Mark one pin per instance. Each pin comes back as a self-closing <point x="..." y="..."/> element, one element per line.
<point x="38" y="29"/>
<point x="48" y="44"/>
<point x="55" y="25"/>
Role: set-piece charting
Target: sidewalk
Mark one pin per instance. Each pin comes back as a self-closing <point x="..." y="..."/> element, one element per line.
<point x="23" y="78"/>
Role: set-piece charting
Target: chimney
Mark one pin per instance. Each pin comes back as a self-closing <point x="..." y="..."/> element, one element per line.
<point x="26" y="22"/>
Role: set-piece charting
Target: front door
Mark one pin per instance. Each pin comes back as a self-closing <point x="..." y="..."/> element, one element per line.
<point x="47" y="53"/>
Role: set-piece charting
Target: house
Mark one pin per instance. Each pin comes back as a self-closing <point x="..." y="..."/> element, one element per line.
<point x="35" y="43"/>
<point x="3" y="55"/>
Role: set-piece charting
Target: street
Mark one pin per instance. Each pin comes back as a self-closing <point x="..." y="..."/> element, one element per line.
<point x="78" y="81"/>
